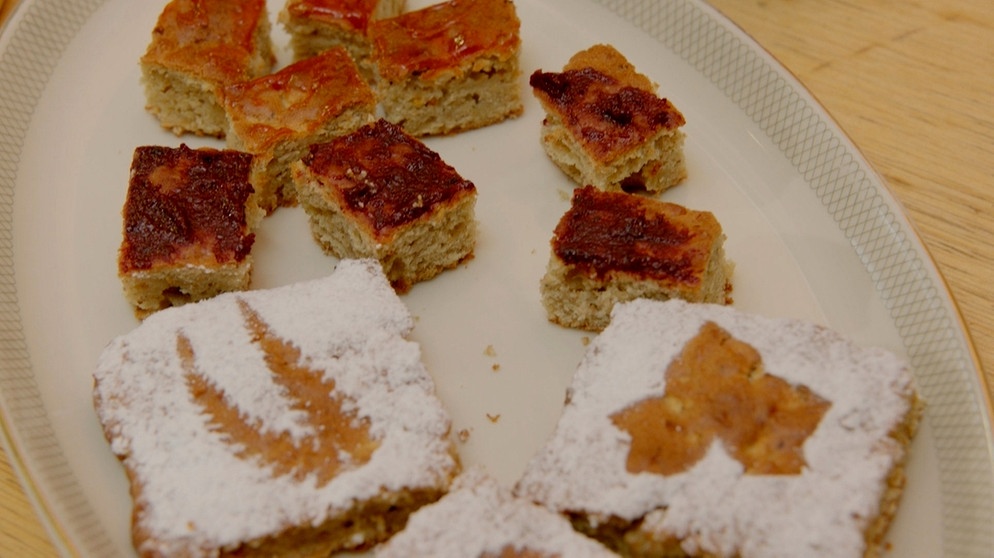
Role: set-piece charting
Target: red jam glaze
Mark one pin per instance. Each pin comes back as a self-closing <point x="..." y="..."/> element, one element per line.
<point x="185" y="203"/>
<point x="386" y="176"/>
<point x="605" y="232"/>
<point x="607" y="117"/>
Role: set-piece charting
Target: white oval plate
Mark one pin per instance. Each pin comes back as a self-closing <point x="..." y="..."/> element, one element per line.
<point x="813" y="231"/>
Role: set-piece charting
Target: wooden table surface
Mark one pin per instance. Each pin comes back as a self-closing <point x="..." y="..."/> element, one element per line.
<point x="911" y="84"/>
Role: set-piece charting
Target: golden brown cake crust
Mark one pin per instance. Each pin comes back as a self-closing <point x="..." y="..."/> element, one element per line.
<point x="607" y="60"/>
<point x="213" y="39"/>
<point x="385" y="178"/>
<point x="608" y="116"/>
<point x="445" y="38"/>
<point x="604" y="233"/>
<point x="186" y="205"/>
<point x="296" y="100"/>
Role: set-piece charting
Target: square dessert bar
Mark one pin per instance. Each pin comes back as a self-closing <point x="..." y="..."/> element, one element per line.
<point x="198" y="47"/>
<point x="294" y="421"/>
<point x="613" y="246"/>
<point x="381" y="193"/>
<point x="189" y="221"/>
<point x="605" y="125"/>
<point x="315" y="26"/>
<point x="451" y="66"/>
<point x="277" y="116"/>
<point x="701" y="430"/>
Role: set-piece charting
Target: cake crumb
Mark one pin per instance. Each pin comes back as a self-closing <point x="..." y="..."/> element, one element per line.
<point x="463" y="435"/>
<point x="585" y="340"/>
<point x="493" y="418"/>
<point x="490" y="351"/>
<point x="495" y="367"/>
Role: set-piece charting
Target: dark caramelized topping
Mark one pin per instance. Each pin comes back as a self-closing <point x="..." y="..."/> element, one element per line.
<point x="185" y="204"/>
<point x="442" y="36"/>
<point x="355" y="14"/>
<point x="386" y="175"/>
<point x="606" y="232"/>
<point x="608" y="118"/>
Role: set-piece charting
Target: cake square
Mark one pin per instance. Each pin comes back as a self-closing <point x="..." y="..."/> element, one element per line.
<point x="294" y="421"/>
<point x="700" y="430"/>
<point x="613" y="246"/>
<point x="381" y="193"/>
<point x="189" y="221"/>
<point x="448" y="67"/>
<point x="481" y="518"/>
<point x="277" y="116"/>
<point x="198" y="47"/>
<point x="606" y="126"/>
<point x="315" y="26"/>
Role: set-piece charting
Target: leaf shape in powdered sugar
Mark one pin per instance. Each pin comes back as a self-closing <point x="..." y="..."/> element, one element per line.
<point x="717" y="389"/>
<point x="338" y="440"/>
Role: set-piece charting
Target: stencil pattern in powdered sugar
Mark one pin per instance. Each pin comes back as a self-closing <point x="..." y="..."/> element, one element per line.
<point x="714" y="506"/>
<point x="201" y="486"/>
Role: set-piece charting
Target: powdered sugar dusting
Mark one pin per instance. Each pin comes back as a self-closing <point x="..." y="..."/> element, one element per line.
<point x="714" y="507"/>
<point x="481" y="517"/>
<point x="197" y="493"/>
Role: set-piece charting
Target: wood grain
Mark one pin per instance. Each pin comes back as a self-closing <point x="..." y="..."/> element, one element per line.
<point x="908" y="80"/>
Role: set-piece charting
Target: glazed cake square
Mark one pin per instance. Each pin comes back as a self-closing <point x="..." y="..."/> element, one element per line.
<point x="382" y="193"/>
<point x="197" y="48"/>
<point x="700" y="430"/>
<point x="613" y="246"/>
<point x="277" y="116"/>
<point x="606" y="126"/>
<point x="315" y="26"/>
<point x="189" y="222"/>
<point x="481" y="518"/>
<point x="294" y="421"/>
<point x="449" y="67"/>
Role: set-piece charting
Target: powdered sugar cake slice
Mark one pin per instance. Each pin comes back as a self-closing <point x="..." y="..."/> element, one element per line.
<point x="294" y="419"/>
<point x="699" y="430"/>
<point x="481" y="518"/>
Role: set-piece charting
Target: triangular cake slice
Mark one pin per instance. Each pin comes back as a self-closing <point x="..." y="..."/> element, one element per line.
<point x="293" y="420"/>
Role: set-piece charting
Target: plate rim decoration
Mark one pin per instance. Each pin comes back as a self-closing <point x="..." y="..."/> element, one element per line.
<point x="856" y="198"/>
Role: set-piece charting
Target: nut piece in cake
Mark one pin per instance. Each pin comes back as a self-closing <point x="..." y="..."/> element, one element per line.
<point x="606" y="126"/>
<point x="189" y="219"/>
<point x="198" y="47"/>
<point x="700" y="430"/>
<point x="277" y="116"/>
<point x="381" y="193"/>
<point x="295" y="421"/>
<point x="449" y="67"/>
<point x="481" y="518"/>
<point x="315" y="26"/>
<point x="613" y="246"/>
